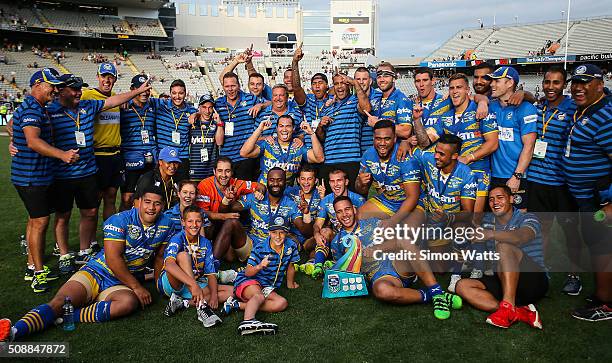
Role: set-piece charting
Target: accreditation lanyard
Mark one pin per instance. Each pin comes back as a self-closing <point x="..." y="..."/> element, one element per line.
<point x="318" y="109"/>
<point x="546" y="122"/>
<point x="168" y="193"/>
<point x="230" y="114"/>
<point x="143" y="118"/>
<point x="78" y="134"/>
<point x="177" y="121"/>
<point x="205" y="136"/>
<point x="280" y="263"/>
<point x="193" y="252"/>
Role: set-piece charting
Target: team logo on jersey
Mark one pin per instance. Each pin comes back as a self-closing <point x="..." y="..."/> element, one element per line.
<point x="448" y="120"/>
<point x="584" y="121"/>
<point x="83" y="111"/>
<point x="333" y="283"/>
<point x="289" y="250"/>
<point x="561" y="116"/>
<point x="243" y="103"/>
<point x="580" y="70"/>
<point x="134" y="232"/>
<point x="509" y="116"/>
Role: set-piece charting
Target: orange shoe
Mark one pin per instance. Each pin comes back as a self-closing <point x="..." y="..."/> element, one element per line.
<point x="504" y="317"/>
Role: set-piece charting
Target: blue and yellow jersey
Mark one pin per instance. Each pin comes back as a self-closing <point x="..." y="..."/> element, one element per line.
<point x="140" y="242"/>
<point x="292" y="110"/>
<point x="174" y="214"/>
<point x="137" y="134"/>
<point x="326" y="207"/>
<point x="200" y="251"/>
<point x="343" y="135"/>
<point x="272" y="155"/>
<point x="513" y="123"/>
<point x="29" y="168"/>
<point x="261" y="215"/>
<point x="444" y="192"/>
<point x="66" y="123"/>
<point x="433" y="109"/>
<point x="293" y="192"/>
<point x="470" y="130"/>
<point x="173" y="119"/>
<point x="273" y="275"/>
<point x="397" y="107"/>
<point x="244" y="124"/>
<point x="389" y="176"/>
<point x="106" y="127"/>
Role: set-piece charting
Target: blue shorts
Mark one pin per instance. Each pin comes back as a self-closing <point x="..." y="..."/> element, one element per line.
<point x="385" y="205"/>
<point x="164" y="287"/>
<point x="386" y="269"/>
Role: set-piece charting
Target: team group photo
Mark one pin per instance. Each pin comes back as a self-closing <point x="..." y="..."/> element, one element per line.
<point x="338" y="180"/>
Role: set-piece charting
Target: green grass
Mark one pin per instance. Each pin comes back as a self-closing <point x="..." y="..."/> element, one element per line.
<point x="360" y="329"/>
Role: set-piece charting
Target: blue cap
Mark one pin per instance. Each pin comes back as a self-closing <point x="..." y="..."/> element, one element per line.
<point x="47" y="75"/>
<point x="504" y="72"/>
<point x="587" y="73"/>
<point x="107" y="68"/>
<point x="72" y="81"/>
<point x="206" y="98"/>
<point x="278" y="224"/>
<point x="138" y="81"/>
<point x="169" y="155"/>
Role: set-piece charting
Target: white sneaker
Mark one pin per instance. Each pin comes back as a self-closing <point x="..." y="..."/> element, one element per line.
<point x="227" y="276"/>
<point x="489" y="272"/>
<point x="175" y="304"/>
<point x="207" y="316"/>
<point x="453" y="282"/>
<point x="476" y="274"/>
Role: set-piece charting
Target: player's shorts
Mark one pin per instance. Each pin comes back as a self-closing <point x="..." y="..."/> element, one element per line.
<point x="532" y="286"/>
<point x="110" y="171"/>
<point x="596" y="235"/>
<point x="386" y="270"/>
<point x="483" y="179"/>
<point x="244" y="252"/>
<point x="37" y="200"/>
<point x="131" y="178"/>
<point x="385" y="205"/>
<point x="97" y="286"/>
<point x="239" y="290"/>
<point x="549" y="198"/>
<point x="82" y="190"/>
<point x="164" y="286"/>
<point x="520" y="197"/>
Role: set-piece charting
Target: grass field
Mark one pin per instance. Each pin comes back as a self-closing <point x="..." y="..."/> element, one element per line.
<point x="346" y="330"/>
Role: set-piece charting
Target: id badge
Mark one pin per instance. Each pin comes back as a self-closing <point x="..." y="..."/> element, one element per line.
<point x="148" y="158"/>
<point x="539" y="150"/>
<point x="568" y="148"/>
<point x="266" y="291"/>
<point x="176" y="137"/>
<point x="229" y="129"/>
<point x="203" y="155"/>
<point x="315" y="124"/>
<point x="80" y="138"/>
<point x="145" y="136"/>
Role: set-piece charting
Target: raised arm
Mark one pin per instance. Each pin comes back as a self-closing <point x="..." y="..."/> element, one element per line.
<point x="122" y="98"/>
<point x="250" y="149"/>
<point x="298" y="92"/>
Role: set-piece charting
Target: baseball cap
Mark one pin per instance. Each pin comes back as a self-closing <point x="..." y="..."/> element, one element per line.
<point x="504" y="72"/>
<point x="319" y="76"/>
<point x="107" y="68"/>
<point x="206" y="98"/>
<point x="47" y="75"/>
<point x="587" y="73"/>
<point x="138" y="81"/>
<point x="278" y="224"/>
<point x="169" y="155"/>
<point x="72" y="81"/>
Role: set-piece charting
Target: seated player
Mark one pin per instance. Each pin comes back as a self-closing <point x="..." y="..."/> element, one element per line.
<point x="275" y="207"/>
<point x="109" y="285"/>
<point x="254" y="287"/>
<point x="521" y="278"/>
<point x="307" y="198"/>
<point x="162" y="176"/>
<point x="188" y="276"/>
<point x="187" y="192"/>
<point x="282" y="150"/>
<point x="389" y="280"/>
<point x="326" y="225"/>
<point x="397" y="182"/>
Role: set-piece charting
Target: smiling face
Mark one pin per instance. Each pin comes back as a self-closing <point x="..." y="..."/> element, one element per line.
<point x="70" y="97"/>
<point x="306" y="181"/>
<point x="288" y="79"/>
<point x="150" y="207"/>
<point x="338" y="182"/>
<point x="206" y="109"/>
<point x="444" y="155"/>
<point x="553" y="85"/>
<point x="168" y="168"/>
<point x="187" y="195"/>
<point x="256" y="85"/>
<point x="500" y="202"/>
<point x="106" y="82"/>
<point x="384" y="140"/>
<point x="385" y="82"/>
<point x="279" y="98"/>
<point x="177" y="95"/>
<point x="501" y="87"/>
<point x="586" y="93"/>
<point x="47" y="91"/>
<point x="143" y="97"/>
<point x="223" y="173"/>
<point x="277" y="237"/>
<point x="340" y="88"/>
<point x="192" y="223"/>
<point x="231" y="88"/>
<point x="482" y="84"/>
<point x="346" y="214"/>
<point x="284" y="129"/>
<point x="276" y="183"/>
<point x="364" y="80"/>
<point x="458" y="91"/>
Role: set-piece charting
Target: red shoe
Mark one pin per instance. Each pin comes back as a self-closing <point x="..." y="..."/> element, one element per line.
<point x="5" y="330"/>
<point x="504" y="317"/>
<point x="529" y="315"/>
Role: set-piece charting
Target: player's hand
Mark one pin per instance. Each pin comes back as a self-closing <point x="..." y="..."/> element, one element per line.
<point x="298" y="55"/>
<point x="242" y="57"/>
<point x="372" y="120"/>
<point x="413" y="141"/>
<point x="326" y="120"/>
<point x="307" y="128"/>
<point x="12" y="149"/>
<point x="265" y="124"/>
<point x="216" y="116"/>
<point x="439" y="216"/>
<point x="348" y="80"/>
<point x="144" y="87"/>
<point x="259" y="195"/>
<point x="403" y="149"/>
<point x="320" y="240"/>
<point x="193" y="117"/>
<point x="255" y="110"/>
<point x="514" y="184"/>
<point x="320" y="188"/>
<point x="197" y="293"/>
<point x="482" y="111"/>
<point x="292" y="284"/>
<point x="143" y="295"/>
<point x="463" y="159"/>
<point x="70" y="156"/>
<point x="516" y="98"/>
<point x="298" y="143"/>
<point x="213" y="301"/>
<point x="265" y="262"/>
<point x="226" y="216"/>
<point x="330" y="101"/>
<point x="417" y="112"/>
<point x="365" y="178"/>
<point x="303" y="206"/>
<point x="230" y="192"/>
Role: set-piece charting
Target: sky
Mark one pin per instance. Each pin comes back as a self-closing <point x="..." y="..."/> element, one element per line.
<point x="408" y="28"/>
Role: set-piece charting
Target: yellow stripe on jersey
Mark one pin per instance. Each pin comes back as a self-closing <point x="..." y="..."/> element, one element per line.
<point x="106" y="125"/>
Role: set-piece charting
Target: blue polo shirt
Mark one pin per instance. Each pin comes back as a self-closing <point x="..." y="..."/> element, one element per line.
<point x="244" y="124"/>
<point x="343" y="135"/>
<point x="134" y="143"/>
<point x="173" y="119"/>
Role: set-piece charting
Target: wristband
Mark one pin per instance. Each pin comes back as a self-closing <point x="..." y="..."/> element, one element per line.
<point x="226" y="201"/>
<point x="220" y="124"/>
<point x="473" y="157"/>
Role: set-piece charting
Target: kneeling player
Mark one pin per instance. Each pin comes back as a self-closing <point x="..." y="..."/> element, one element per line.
<point x="254" y="286"/>
<point x="390" y="280"/>
<point x="109" y="285"/>
<point x="188" y="276"/>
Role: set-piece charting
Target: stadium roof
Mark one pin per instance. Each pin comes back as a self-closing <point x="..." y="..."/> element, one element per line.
<point x="147" y="4"/>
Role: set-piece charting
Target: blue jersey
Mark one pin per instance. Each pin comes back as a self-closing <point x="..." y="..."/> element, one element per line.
<point x="326" y="207"/>
<point x="140" y="242"/>
<point x="29" y="168"/>
<point x="444" y="192"/>
<point x="172" y="120"/>
<point x="389" y="176"/>
<point x="273" y="275"/>
<point x="292" y="110"/>
<point x="200" y="251"/>
<point x="519" y="219"/>
<point x="544" y="169"/>
<point x="293" y="192"/>
<point x="244" y="124"/>
<point x="313" y="109"/>
<point x="397" y="108"/>
<point x="174" y="214"/>
<point x="261" y="215"/>
<point x="513" y="122"/>
<point x="266" y="94"/>
<point x="433" y="109"/>
<point x="587" y="158"/>
<point x="66" y="124"/>
<point x="274" y="155"/>
<point x="137" y="128"/>
<point x="343" y="135"/>
<point x="470" y="130"/>
<point x="203" y="150"/>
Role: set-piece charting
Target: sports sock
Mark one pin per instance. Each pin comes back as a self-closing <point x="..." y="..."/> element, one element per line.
<point x="35" y="320"/>
<point x="95" y="313"/>
<point x="425" y="296"/>
<point x="434" y="290"/>
<point x="321" y="253"/>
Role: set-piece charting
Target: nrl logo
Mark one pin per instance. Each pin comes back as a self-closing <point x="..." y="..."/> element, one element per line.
<point x="333" y="283"/>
